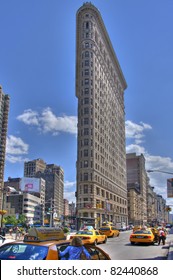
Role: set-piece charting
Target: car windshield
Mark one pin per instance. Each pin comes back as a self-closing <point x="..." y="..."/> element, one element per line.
<point x="105" y="228"/>
<point x="85" y="232"/>
<point x="23" y="252"/>
<point x="142" y="232"/>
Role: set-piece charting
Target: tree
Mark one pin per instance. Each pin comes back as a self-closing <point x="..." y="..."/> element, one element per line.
<point x="13" y="221"/>
<point x="10" y="220"/>
<point x="22" y="220"/>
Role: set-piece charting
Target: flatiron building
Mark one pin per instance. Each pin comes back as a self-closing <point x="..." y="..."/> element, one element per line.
<point x="101" y="192"/>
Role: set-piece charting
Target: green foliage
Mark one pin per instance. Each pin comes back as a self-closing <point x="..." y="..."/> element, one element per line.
<point x="13" y="221"/>
<point x="66" y="230"/>
<point x="10" y="220"/>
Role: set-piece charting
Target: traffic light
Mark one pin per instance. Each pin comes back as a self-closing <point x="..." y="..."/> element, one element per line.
<point x="168" y="209"/>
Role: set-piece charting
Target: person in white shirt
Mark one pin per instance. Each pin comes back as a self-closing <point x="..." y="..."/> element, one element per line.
<point x="162" y="236"/>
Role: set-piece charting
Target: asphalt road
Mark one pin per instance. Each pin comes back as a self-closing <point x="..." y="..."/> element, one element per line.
<point x="119" y="248"/>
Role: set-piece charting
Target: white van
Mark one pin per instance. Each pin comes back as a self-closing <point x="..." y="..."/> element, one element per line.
<point x="121" y="226"/>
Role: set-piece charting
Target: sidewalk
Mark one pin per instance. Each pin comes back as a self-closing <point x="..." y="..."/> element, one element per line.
<point x="170" y="253"/>
<point x="13" y="236"/>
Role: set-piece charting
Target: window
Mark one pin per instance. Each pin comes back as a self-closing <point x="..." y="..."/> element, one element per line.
<point x="86" y="142"/>
<point x="85" y="153"/>
<point x="86" y="54"/>
<point x="85" y="189"/>
<point x="85" y="176"/>
<point x="98" y="191"/>
<point x="85" y="163"/>
<point x="86" y="81"/>
<point x="86" y="100"/>
<point x="86" y="62"/>
<point x="86" y="72"/>
<point x="86" y="121"/>
<point x="87" y="25"/>
<point x="86" y="90"/>
<point x="86" y="131"/>
<point x="86" y="111"/>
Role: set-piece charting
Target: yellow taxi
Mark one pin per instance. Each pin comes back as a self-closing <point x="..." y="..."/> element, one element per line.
<point x="136" y="228"/>
<point x="44" y="244"/>
<point x="91" y="236"/>
<point x="109" y="231"/>
<point x="142" y="236"/>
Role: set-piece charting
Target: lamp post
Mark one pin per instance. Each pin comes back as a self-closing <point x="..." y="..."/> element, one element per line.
<point x="51" y="211"/>
<point x="157" y="170"/>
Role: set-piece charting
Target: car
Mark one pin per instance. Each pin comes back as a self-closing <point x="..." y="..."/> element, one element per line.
<point x="109" y="231"/>
<point x="91" y="236"/>
<point x="129" y="227"/>
<point x="142" y="236"/>
<point x="44" y="244"/>
<point x="168" y="226"/>
<point x="4" y="240"/>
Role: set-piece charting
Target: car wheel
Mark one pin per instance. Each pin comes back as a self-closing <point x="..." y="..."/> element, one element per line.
<point x="132" y="243"/>
<point x="95" y="242"/>
<point x="105" y="240"/>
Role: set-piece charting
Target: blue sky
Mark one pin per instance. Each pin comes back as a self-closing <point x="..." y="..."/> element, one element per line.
<point x="37" y="70"/>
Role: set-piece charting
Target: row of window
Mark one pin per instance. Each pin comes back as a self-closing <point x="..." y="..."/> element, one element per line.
<point x="86" y="176"/>
<point x="119" y="209"/>
<point x="86" y="189"/>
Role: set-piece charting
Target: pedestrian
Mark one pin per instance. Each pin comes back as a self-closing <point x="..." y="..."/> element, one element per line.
<point x="162" y="236"/>
<point x="10" y="231"/>
<point x="75" y="250"/>
<point x="18" y="233"/>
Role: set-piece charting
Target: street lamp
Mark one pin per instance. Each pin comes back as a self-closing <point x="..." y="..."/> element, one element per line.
<point x="157" y="170"/>
<point x="51" y="210"/>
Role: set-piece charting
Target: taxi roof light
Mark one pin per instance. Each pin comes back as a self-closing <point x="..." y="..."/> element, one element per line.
<point x="44" y="234"/>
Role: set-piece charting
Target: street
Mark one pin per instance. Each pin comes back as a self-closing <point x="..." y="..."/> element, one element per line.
<point x="119" y="248"/>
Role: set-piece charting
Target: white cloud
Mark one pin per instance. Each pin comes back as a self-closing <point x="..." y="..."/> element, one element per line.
<point x="69" y="185"/>
<point x="69" y="191"/>
<point x="16" y="146"/>
<point x="136" y="131"/>
<point x="134" y="148"/>
<point x="29" y="117"/>
<point x="70" y="196"/>
<point x="15" y="159"/>
<point x="48" y="122"/>
<point x="15" y="149"/>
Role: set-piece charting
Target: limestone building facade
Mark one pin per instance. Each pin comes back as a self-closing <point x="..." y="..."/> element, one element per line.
<point x="101" y="158"/>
